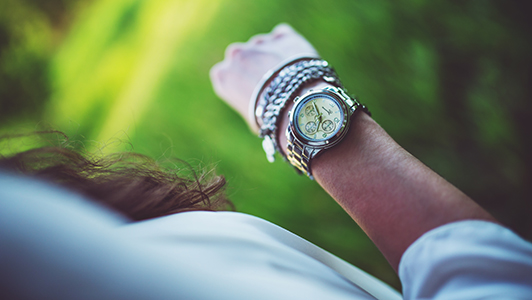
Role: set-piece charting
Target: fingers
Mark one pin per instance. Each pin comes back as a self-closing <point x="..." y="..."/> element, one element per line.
<point x="283" y="29"/>
<point x="279" y="31"/>
<point x="258" y="39"/>
<point x="235" y="78"/>
<point x="234" y="50"/>
<point x="283" y="41"/>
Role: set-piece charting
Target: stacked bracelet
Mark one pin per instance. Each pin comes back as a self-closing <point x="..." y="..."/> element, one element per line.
<point x="280" y="87"/>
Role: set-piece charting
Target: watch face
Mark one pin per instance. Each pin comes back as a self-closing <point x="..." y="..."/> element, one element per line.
<point x="318" y="117"/>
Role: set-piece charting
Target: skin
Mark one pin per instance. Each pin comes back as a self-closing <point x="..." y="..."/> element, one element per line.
<point x="392" y="196"/>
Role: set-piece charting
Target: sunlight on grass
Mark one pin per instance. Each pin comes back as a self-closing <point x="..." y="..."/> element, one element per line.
<point x="109" y="70"/>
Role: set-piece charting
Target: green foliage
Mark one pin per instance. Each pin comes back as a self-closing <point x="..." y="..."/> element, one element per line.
<point x="450" y="80"/>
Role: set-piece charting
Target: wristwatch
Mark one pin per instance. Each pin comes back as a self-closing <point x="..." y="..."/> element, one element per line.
<point x="278" y="89"/>
<point x="318" y="121"/>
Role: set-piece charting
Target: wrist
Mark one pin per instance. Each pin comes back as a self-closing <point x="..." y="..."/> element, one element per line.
<point x="319" y="120"/>
<point x="364" y="143"/>
<point x="280" y="92"/>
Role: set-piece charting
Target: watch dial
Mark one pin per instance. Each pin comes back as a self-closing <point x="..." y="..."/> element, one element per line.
<point x="319" y="117"/>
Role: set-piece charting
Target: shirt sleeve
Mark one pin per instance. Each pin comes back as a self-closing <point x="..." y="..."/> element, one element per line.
<point x="467" y="260"/>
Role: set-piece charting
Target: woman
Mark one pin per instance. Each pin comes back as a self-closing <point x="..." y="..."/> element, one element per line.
<point x="57" y="244"/>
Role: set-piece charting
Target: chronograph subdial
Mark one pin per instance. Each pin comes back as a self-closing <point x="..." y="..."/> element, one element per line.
<point x="309" y="111"/>
<point x="311" y="127"/>
<point x="328" y="125"/>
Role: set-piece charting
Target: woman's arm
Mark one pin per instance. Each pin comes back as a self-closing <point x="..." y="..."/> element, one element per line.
<point x="392" y="196"/>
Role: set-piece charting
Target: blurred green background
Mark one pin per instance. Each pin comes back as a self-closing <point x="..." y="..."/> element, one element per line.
<point x="449" y="80"/>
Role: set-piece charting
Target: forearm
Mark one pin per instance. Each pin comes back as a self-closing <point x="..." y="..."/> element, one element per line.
<point x="391" y="195"/>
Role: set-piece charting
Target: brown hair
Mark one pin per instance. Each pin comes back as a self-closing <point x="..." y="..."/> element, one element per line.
<point x="130" y="183"/>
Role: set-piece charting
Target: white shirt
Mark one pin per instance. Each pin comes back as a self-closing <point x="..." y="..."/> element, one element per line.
<point x="467" y="260"/>
<point x="57" y="245"/>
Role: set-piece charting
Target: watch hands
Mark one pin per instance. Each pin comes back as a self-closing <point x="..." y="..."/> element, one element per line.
<point x="316" y="108"/>
<point x="318" y="116"/>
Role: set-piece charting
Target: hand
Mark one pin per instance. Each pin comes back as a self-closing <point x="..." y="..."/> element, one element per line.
<point x="234" y="79"/>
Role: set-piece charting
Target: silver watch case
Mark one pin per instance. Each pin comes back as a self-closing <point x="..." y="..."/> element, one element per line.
<point x="345" y="102"/>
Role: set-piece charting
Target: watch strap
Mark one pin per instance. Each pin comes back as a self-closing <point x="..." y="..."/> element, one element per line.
<point x="298" y="155"/>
